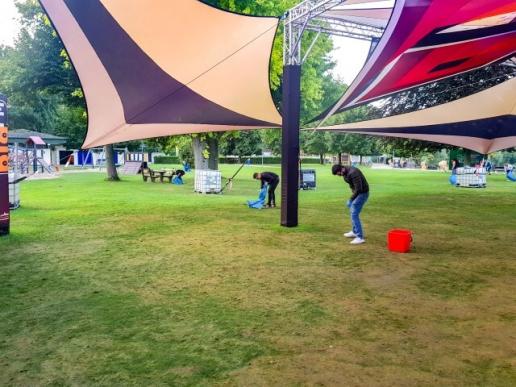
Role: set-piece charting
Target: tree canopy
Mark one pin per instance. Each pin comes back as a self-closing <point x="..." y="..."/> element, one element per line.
<point x="43" y="90"/>
<point x="45" y="94"/>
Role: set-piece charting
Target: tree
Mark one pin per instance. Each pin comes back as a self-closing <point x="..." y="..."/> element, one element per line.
<point x="355" y="144"/>
<point x="44" y="92"/>
<point x="112" y="174"/>
<point x="244" y="143"/>
<point x="38" y="77"/>
<point x="315" y="142"/>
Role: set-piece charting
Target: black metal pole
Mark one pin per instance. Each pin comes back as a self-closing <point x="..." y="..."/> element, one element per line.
<point x="290" y="145"/>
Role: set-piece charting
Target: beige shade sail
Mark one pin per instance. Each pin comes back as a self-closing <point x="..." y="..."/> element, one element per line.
<point x="159" y="67"/>
<point x="484" y="122"/>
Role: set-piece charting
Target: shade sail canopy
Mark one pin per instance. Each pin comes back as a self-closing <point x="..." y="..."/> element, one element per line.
<point x="159" y="67"/>
<point x="484" y="122"/>
<point x="425" y="41"/>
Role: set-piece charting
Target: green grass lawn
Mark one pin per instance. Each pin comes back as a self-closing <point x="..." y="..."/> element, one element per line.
<point x="150" y="284"/>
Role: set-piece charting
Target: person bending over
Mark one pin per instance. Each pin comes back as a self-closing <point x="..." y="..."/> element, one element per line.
<point x="359" y="195"/>
<point x="272" y="180"/>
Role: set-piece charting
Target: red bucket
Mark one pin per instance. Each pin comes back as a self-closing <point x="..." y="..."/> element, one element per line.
<point x="399" y="240"/>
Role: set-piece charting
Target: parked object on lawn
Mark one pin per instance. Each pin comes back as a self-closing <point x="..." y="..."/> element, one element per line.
<point x="468" y="177"/>
<point x="399" y="240"/>
<point x="207" y="181"/>
<point x="14" y="190"/>
<point x="307" y="179"/>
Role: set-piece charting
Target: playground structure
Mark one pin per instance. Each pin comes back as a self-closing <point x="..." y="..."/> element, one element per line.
<point x="26" y="161"/>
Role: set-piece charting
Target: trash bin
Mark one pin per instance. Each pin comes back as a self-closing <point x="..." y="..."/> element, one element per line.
<point x="14" y="191"/>
<point x="307" y="179"/>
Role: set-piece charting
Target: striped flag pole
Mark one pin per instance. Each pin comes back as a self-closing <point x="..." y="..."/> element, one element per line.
<point x="4" y="169"/>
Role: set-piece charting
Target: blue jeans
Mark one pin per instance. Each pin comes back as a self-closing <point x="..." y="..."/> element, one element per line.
<point x="355" y="209"/>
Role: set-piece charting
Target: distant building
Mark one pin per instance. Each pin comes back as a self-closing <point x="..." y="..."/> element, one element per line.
<point x="50" y="148"/>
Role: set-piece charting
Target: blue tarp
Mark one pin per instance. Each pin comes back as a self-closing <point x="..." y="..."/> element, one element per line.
<point x="258" y="204"/>
<point x="510" y="176"/>
<point x="177" y="180"/>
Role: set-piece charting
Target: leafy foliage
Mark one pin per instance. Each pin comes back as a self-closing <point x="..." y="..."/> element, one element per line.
<point x="38" y="78"/>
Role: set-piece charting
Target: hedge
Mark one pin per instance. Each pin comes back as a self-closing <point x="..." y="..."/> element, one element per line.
<point x="257" y="160"/>
<point x="166" y="160"/>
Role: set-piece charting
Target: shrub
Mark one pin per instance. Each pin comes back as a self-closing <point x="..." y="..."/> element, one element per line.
<point x="166" y="160"/>
<point x="257" y="160"/>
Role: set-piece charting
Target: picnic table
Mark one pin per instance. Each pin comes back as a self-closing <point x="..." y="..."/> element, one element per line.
<point x="161" y="174"/>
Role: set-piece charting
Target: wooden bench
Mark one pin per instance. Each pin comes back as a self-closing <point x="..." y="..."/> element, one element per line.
<point x="149" y="173"/>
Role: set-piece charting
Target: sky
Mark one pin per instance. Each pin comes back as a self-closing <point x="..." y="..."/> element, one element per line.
<point x="8" y="25"/>
<point x="349" y="54"/>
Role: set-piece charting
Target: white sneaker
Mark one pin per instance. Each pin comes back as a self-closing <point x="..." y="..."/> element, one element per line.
<point x="350" y="234"/>
<point x="357" y="241"/>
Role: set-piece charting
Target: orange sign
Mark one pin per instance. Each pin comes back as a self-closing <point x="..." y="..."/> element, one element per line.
<point x="3" y="135"/>
<point x="4" y="151"/>
<point x="4" y="163"/>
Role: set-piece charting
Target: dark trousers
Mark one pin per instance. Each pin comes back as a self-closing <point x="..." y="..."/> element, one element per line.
<point x="272" y="194"/>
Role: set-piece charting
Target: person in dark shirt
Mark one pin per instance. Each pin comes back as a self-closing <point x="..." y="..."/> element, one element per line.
<point x="455" y="164"/>
<point x="272" y="180"/>
<point x="359" y="195"/>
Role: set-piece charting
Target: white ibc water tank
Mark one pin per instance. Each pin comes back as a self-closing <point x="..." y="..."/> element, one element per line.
<point x="14" y="192"/>
<point x="207" y="181"/>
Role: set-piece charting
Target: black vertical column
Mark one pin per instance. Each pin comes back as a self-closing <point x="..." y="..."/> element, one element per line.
<point x="4" y="169"/>
<point x="290" y="145"/>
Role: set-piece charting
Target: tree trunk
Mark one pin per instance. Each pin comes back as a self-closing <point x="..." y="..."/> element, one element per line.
<point x="112" y="174"/>
<point x="198" y="150"/>
<point x="360" y="160"/>
<point x="321" y="158"/>
<point x="213" y="149"/>
<point x="340" y="158"/>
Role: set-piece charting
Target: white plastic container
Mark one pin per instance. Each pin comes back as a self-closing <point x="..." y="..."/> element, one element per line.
<point x="207" y="181"/>
<point x="471" y="177"/>
<point x="14" y="192"/>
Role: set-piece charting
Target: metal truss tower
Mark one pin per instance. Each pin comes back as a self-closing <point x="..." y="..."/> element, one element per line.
<point x="308" y="15"/>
